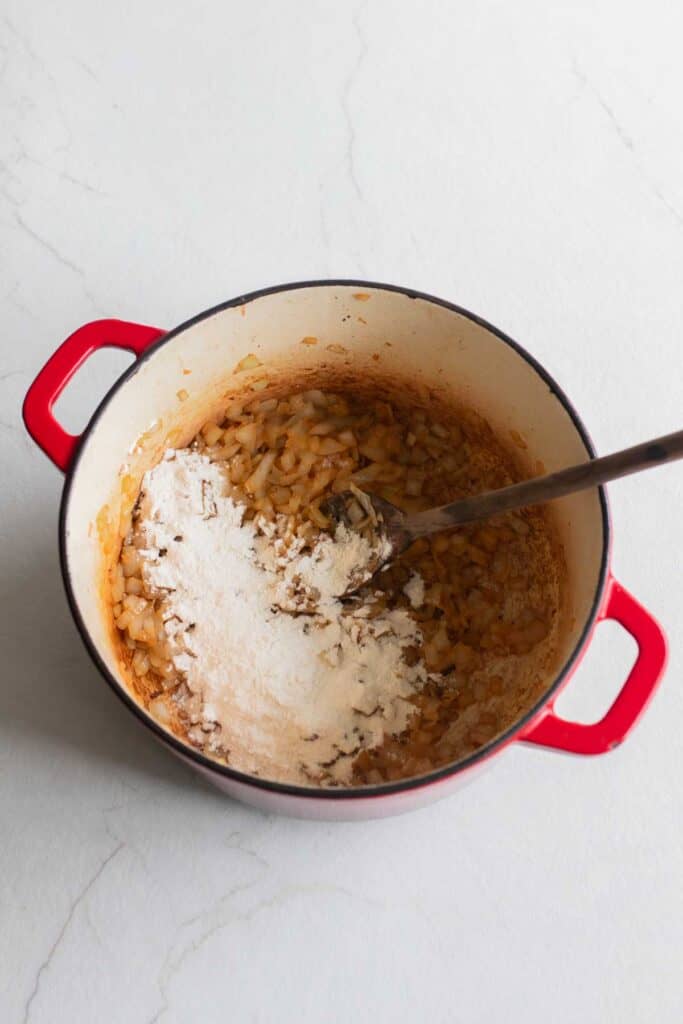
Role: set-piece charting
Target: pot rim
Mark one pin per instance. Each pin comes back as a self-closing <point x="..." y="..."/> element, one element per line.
<point x="357" y="792"/>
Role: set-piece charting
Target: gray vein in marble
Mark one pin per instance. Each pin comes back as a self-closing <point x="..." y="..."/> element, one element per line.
<point x="297" y="890"/>
<point x="14" y="301"/>
<point x="172" y="965"/>
<point x="49" y="247"/>
<point x="21" y="39"/>
<point x="6" y="169"/>
<point x="46" y="245"/>
<point x="62" y="174"/>
<point x="625" y="140"/>
<point x="79" y="182"/>
<point x="86" y="67"/>
<point x="62" y="931"/>
<point x="350" y="155"/>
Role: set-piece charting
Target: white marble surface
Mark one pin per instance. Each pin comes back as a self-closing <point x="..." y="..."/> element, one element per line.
<point x="524" y="160"/>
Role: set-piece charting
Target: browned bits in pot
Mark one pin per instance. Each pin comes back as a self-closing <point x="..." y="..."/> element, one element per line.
<point x="491" y="590"/>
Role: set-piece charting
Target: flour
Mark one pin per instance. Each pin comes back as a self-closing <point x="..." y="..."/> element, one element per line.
<point x="336" y="563"/>
<point x="282" y="695"/>
<point x="317" y="579"/>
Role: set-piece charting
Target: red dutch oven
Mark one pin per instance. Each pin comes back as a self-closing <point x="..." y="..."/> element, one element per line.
<point x="177" y="383"/>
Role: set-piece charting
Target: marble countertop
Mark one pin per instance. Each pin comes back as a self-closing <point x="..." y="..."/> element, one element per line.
<point x="524" y="160"/>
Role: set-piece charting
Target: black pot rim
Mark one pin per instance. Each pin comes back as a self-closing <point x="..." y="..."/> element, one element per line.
<point x="321" y="793"/>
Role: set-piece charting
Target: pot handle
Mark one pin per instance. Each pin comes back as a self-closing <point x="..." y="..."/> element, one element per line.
<point x="56" y="442"/>
<point x="549" y="730"/>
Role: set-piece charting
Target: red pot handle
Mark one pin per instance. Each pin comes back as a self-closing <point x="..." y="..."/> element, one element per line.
<point x="55" y="441"/>
<point x="552" y="731"/>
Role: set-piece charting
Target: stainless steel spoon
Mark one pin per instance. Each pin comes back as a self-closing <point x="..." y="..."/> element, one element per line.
<point x="400" y="530"/>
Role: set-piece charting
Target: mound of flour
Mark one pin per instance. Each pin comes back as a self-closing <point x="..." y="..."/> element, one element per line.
<point x="278" y="675"/>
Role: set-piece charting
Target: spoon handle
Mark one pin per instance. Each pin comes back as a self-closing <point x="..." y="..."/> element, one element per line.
<point x="545" y="488"/>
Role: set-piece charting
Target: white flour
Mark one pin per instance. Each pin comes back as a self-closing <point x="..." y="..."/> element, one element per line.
<point x="283" y="695"/>
<point x="334" y="564"/>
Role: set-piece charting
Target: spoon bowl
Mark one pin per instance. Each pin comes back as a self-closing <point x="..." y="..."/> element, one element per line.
<point x="395" y="531"/>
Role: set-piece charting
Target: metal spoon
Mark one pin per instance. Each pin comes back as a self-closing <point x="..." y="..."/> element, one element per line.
<point x="397" y="531"/>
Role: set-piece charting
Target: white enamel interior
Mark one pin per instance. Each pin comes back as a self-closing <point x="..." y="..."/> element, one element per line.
<point x="431" y="345"/>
